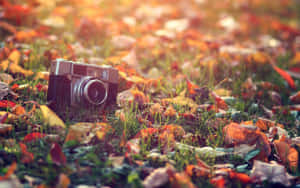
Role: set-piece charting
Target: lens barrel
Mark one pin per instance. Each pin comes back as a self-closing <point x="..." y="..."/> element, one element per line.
<point x="90" y="90"/>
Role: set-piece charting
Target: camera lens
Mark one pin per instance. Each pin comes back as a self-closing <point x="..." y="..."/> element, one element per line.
<point x="90" y="90"/>
<point x="95" y="91"/>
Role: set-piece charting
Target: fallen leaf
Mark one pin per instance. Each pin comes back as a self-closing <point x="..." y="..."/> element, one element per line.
<point x="57" y="156"/>
<point x="285" y="76"/>
<point x="197" y="171"/>
<point x="18" y="110"/>
<point x="7" y="104"/>
<point x="9" y="172"/>
<point x="6" y="78"/>
<point x="272" y="172"/>
<point x="158" y="178"/>
<point x="5" y="128"/>
<point x="4" y="90"/>
<point x="84" y="132"/>
<point x="63" y="181"/>
<point x="287" y="154"/>
<point x="247" y="134"/>
<point x="33" y="136"/>
<point x="180" y="100"/>
<point x="27" y="157"/>
<point x="218" y="181"/>
<point x="51" y="118"/>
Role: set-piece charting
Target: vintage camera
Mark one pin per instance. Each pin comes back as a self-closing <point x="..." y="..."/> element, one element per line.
<point x="75" y="85"/>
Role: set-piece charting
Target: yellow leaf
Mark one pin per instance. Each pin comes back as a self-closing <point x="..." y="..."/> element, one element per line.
<point x="14" y="68"/>
<point x="51" y="118"/>
<point x="14" y="57"/>
<point x="83" y="132"/>
<point x="181" y="101"/>
<point x="296" y="58"/>
<point x="100" y="135"/>
<point x="42" y="76"/>
<point x="222" y="92"/>
<point x="10" y="117"/>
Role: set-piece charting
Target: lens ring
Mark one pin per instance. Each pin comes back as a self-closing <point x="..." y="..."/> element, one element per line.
<point x="86" y="89"/>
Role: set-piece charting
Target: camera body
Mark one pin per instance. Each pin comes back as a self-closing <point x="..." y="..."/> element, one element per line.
<point x="72" y="85"/>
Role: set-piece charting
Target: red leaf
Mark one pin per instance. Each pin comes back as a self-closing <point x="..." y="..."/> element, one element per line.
<point x="16" y="13"/>
<point x="220" y="103"/>
<point x="218" y="182"/>
<point x="33" y="136"/>
<point x="295" y="69"/>
<point x="57" y="156"/>
<point x="27" y="156"/>
<point x="285" y="76"/>
<point x="7" y="104"/>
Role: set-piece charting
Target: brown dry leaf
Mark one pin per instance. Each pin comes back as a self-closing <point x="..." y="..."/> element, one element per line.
<point x="247" y="134"/>
<point x="265" y="124"/>
<point x="51" y="118"/>
<point x="287" y="154"/>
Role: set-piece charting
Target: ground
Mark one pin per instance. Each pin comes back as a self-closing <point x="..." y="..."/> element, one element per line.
<point x="208" y="93"/>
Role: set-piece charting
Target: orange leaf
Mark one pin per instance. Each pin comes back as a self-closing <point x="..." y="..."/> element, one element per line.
<point x="244" y="178"/>
<point x="27" y="156"/>
<point x="293" y="158"/>
<point x="191" y="87"/>
<point x="64" y="181"/>
<point x="9" y="172"/>
<point x="285" y="76"/>
<point x="219" y="182"/>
